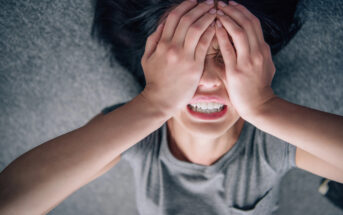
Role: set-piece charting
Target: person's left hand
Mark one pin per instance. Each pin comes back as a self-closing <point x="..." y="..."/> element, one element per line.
<point x="248" y="63"/>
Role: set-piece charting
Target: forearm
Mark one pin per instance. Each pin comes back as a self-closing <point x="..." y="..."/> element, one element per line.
<point x="48" y="173"/>
<point x="314" y="131"/>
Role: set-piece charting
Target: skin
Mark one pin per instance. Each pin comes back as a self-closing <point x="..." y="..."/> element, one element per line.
<point x="190" y="139"/>
<point x="199" y="141"/>
<point x="202" y="141"/>
<point x="177" y="67"/>
<point x="245" y="81"/>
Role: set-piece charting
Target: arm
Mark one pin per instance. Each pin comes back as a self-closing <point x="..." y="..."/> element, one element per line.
<point x="313" y="131"/>
<point x="249" y="73"/>
<point x="47" y="174"/>
<point x="98" y="174"/>
<point x="315" y="165"/>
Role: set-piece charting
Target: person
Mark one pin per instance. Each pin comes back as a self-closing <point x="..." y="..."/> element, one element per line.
<point x="205" y="136"/>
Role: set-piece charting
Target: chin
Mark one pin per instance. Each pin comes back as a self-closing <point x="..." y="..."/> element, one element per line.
<point x="207" y="129"/>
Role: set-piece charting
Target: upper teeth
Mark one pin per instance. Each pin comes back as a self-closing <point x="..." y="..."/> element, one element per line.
<point x="207" y="105"/>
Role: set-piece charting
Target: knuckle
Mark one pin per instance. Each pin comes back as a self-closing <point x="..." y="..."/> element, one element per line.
<point x="172" y="53"/>
<point x="203" y="42"/>
<point x="265" y="48"/>
<point x="209" y="31"/>
<point x="206" y="37"/>
<point x="235" y="71"/>
<point x="195" y="28"/>
<point x="265" y="45"/>
<point x="227" y="46"/>
<point x="162" y="46"/>
<point x="173" y="14"/>
<point x="221" y="32"/>
<point x="241" y="7"/>
<point x="249" y="64"/>
<point x="255" y="20"/>
<point x="186" y="20"/>
<point x="258" y="58"/>
<point x="246" y="22"/>
<point x="238" y="32"/>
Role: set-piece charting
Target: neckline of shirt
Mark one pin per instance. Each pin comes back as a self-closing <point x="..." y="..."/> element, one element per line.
<point x="198" y="168"/>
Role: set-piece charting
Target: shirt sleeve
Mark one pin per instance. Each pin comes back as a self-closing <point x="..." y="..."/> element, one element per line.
<point x="279" y="154"/>
<point x="138" y="150"/>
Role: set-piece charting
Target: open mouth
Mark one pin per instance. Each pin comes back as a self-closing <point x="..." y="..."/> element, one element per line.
<point x="206" y="107"/>
<point x="207" y="111"/>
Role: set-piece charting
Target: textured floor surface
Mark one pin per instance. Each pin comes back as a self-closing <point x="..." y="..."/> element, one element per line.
<point x="54" y="78"/>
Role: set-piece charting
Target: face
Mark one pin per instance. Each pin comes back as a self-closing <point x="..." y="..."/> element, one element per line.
<point x="211" y="84"/>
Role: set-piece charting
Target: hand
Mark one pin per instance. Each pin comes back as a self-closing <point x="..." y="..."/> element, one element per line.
<point x="174" y="56"/>
<point x="248" y="64"/>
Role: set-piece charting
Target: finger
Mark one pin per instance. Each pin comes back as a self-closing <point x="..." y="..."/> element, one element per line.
<point x="244" y="22"/>
<point x="152" y="41"/>
<point x="188" y="19"/>
<point x="203" y="45"/>
<point x="195" y="31"/>
<point x="253" y="18"/>
<point x="238" y="34"/>
<point x="226" y="48"/>
<point x="174" y="18"/>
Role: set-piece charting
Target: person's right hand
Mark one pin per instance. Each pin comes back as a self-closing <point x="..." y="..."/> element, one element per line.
<point x="174" y="56"/>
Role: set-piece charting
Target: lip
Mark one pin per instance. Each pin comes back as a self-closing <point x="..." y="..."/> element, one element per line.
<point x="207" y="116"/>
<point x="215" y="99"/>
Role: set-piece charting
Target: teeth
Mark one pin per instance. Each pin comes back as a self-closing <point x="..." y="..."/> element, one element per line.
<point x="206" y="107"/>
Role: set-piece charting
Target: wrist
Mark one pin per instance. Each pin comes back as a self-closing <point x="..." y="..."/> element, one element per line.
<point x="148" y="101"/>
<point x="260" y="115"/>
<point x="263" y="107"/>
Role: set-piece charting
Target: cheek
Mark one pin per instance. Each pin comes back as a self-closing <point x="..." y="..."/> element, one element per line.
<point x="232" y="112"/>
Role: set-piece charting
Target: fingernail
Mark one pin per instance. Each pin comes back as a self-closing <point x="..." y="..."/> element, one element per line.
<point x="233" y="3"/>
<point x="222" y="4"/>
<point x="220" y="13"/>
<point x="212" y="24"/>
<point x="219" y="24"/>
<point x="209" y="2"/>
<point x="213" y="11"/>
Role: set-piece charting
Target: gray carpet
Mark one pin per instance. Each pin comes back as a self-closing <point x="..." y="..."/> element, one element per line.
<point x="54" y="78"/>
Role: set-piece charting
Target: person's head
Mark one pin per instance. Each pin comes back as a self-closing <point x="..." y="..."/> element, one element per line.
<point x="124" y="26"/>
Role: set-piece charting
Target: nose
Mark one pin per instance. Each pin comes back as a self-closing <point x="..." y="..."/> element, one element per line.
<point x="210" y="79"/>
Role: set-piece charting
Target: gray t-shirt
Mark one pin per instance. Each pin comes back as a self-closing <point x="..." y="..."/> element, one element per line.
<point x="245" y="180"/>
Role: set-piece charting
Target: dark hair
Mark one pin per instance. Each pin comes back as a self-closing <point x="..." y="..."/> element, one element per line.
<point x="124" y="25"/>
